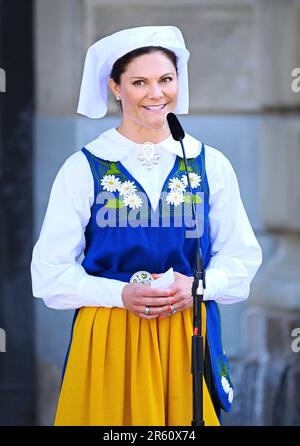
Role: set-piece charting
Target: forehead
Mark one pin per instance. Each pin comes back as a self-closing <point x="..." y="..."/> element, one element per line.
<point x="150" y="65"/>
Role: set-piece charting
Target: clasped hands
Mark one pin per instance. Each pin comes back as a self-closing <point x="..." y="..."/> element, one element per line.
<point x="137" y="297"/>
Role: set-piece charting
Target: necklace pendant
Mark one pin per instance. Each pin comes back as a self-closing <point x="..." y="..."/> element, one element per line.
<point x="147" y="156"/>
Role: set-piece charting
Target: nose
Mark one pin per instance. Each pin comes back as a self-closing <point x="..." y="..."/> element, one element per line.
<point x="155" y="91"/>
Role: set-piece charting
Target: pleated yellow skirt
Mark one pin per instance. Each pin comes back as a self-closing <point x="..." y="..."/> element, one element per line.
<point x="126" y="371"/>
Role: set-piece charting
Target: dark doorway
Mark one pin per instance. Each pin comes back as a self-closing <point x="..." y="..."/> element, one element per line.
<point x="16" y="221"/>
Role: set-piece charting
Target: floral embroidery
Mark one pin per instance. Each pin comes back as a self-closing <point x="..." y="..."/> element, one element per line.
<point x="110" y="183"/>
<point x="227" y="388"/>
<point x="178" y="188"/>
<point x="230" y="395"/>
<point x="225" y="384"/>
<point x="175" y="184"/>
<point x="194" y="180"/>
<point x="175" y="197"/>
<point x="126" y="189"/>
<point x="133" y="201"/>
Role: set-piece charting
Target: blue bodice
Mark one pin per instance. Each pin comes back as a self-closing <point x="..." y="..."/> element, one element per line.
<point x="128" y="240"/>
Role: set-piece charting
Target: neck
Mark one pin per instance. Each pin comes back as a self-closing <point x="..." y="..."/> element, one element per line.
<point x="139" y="134"/>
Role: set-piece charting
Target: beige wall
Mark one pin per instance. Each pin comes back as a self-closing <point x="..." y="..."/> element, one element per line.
<point x="221" y="35"/>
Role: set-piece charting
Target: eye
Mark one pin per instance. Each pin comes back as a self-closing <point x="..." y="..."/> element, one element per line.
<point x="167" y="79"/>
<point x="139" y="82"/>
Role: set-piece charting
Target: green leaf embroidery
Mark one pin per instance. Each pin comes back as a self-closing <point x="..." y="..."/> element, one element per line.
<point x="113" y="170"/>
<point x="114" y="203"/>
<point x="182" y="166"/>
<point x="222" y="367"/>
<point x="196" y="199"/>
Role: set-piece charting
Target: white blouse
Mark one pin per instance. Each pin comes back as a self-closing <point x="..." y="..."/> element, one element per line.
<point x="57" y="274"/>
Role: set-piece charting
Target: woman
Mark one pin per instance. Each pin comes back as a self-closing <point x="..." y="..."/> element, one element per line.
<point x="129" y="357"/>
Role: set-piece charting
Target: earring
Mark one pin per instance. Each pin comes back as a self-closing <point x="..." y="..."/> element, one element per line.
<point x="117" y="98"/>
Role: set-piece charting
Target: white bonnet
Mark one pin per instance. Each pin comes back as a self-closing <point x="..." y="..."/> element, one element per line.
<point x="103" y="54"/>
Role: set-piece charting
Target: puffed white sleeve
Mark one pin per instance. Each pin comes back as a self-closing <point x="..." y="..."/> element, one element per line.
<point x="56" y="272"/>
<point x="236" y="254"/>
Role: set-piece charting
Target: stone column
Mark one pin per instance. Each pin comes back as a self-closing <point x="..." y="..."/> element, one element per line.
<point x="17" y="387"/>
<point x="59" y="58"/>
<point x="272" y="367"/>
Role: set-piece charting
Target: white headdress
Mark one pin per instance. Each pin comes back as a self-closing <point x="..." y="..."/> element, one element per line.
<point x="103" y="54"/>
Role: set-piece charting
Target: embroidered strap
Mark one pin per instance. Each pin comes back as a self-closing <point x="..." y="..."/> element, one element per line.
<point x="218" y="363"/>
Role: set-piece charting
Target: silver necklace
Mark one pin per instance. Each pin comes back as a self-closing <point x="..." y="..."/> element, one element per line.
<point x="147" y="155"/>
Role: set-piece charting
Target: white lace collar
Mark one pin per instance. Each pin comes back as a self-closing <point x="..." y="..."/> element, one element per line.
<point x="113" y="146"/>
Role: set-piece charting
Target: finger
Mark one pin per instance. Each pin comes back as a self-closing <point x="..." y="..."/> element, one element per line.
<point x="157" y="292"/>
<point x="145" y="316"/>
<point x="154" y="311"/>
<point x="169" y="311"/>
<point x="177" y="275"/>
<point x="164" y="315"/>
<point x="155" y="301"/>
<point x="156" y="275"/>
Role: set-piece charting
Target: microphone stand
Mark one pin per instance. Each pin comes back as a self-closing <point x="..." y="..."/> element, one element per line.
<point x="197" y="338"/>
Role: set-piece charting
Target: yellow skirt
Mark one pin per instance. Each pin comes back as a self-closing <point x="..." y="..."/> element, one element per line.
<point x="126" y="371"/>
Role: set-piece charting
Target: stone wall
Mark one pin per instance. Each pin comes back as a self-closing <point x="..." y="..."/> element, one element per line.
<point x="275" y="305"/>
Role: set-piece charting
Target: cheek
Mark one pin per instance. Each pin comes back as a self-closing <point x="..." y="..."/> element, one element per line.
<point x="175" y="90"/>
<point x="172" y="91"/>
<point x="131" y="99"/>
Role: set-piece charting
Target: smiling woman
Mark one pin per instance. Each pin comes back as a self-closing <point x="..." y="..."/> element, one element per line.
<point x="128" y="362"/>
<point x="146" y="83"/>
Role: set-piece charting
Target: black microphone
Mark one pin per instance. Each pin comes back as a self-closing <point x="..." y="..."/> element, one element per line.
<point x="176" y="130"/>
<point x="178" y="134"/>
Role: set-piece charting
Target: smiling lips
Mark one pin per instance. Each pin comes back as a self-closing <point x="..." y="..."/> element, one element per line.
<point x="155" y="107"/>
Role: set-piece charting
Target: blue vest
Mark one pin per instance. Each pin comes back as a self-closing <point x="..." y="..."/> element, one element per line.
<point x="121" y="240"/>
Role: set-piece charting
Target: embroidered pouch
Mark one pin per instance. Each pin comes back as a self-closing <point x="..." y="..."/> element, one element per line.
<point x="218" y="366"/>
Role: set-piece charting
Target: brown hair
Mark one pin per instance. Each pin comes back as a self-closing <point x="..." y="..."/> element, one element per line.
<point x="119" y="67"/>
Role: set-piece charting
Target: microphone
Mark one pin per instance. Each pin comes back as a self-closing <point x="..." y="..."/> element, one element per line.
<point x="176" y="130"/>
<point x="178" y="134"/>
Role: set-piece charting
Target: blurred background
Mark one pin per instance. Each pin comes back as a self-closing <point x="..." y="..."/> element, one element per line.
<point x="245" y="101"/>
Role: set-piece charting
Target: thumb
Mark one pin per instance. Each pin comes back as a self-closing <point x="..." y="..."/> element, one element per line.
<point x="156" y="275"/>
<point x="178" y="275"/>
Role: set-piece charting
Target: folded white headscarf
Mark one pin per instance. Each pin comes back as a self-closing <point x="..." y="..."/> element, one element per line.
<point x="103" y="54"/>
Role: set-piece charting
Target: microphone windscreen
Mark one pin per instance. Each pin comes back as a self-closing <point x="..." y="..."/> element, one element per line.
<point x="176" y="130"/>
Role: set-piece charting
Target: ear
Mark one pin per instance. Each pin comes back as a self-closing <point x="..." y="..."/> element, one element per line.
<point x="115" y="88"/>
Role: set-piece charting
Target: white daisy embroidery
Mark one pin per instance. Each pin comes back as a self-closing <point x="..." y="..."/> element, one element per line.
<point x="230" y="395"/>
<point x="110" y="183"/>
<point x="127" y="188"/>
<point x="195" y="180"/>
<point x="177" y="185"/>
<point x="175" y="197"/>
<point x="225" y="384"/>
<point x="133" y="201"/>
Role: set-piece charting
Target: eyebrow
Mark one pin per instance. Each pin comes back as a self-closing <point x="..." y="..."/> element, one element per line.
<point x="144" y="78"/>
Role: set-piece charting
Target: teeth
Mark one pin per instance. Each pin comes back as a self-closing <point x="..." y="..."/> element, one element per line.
<point x="154" y="107"/>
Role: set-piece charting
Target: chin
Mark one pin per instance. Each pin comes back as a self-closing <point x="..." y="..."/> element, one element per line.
<point x="158" y="123"/>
